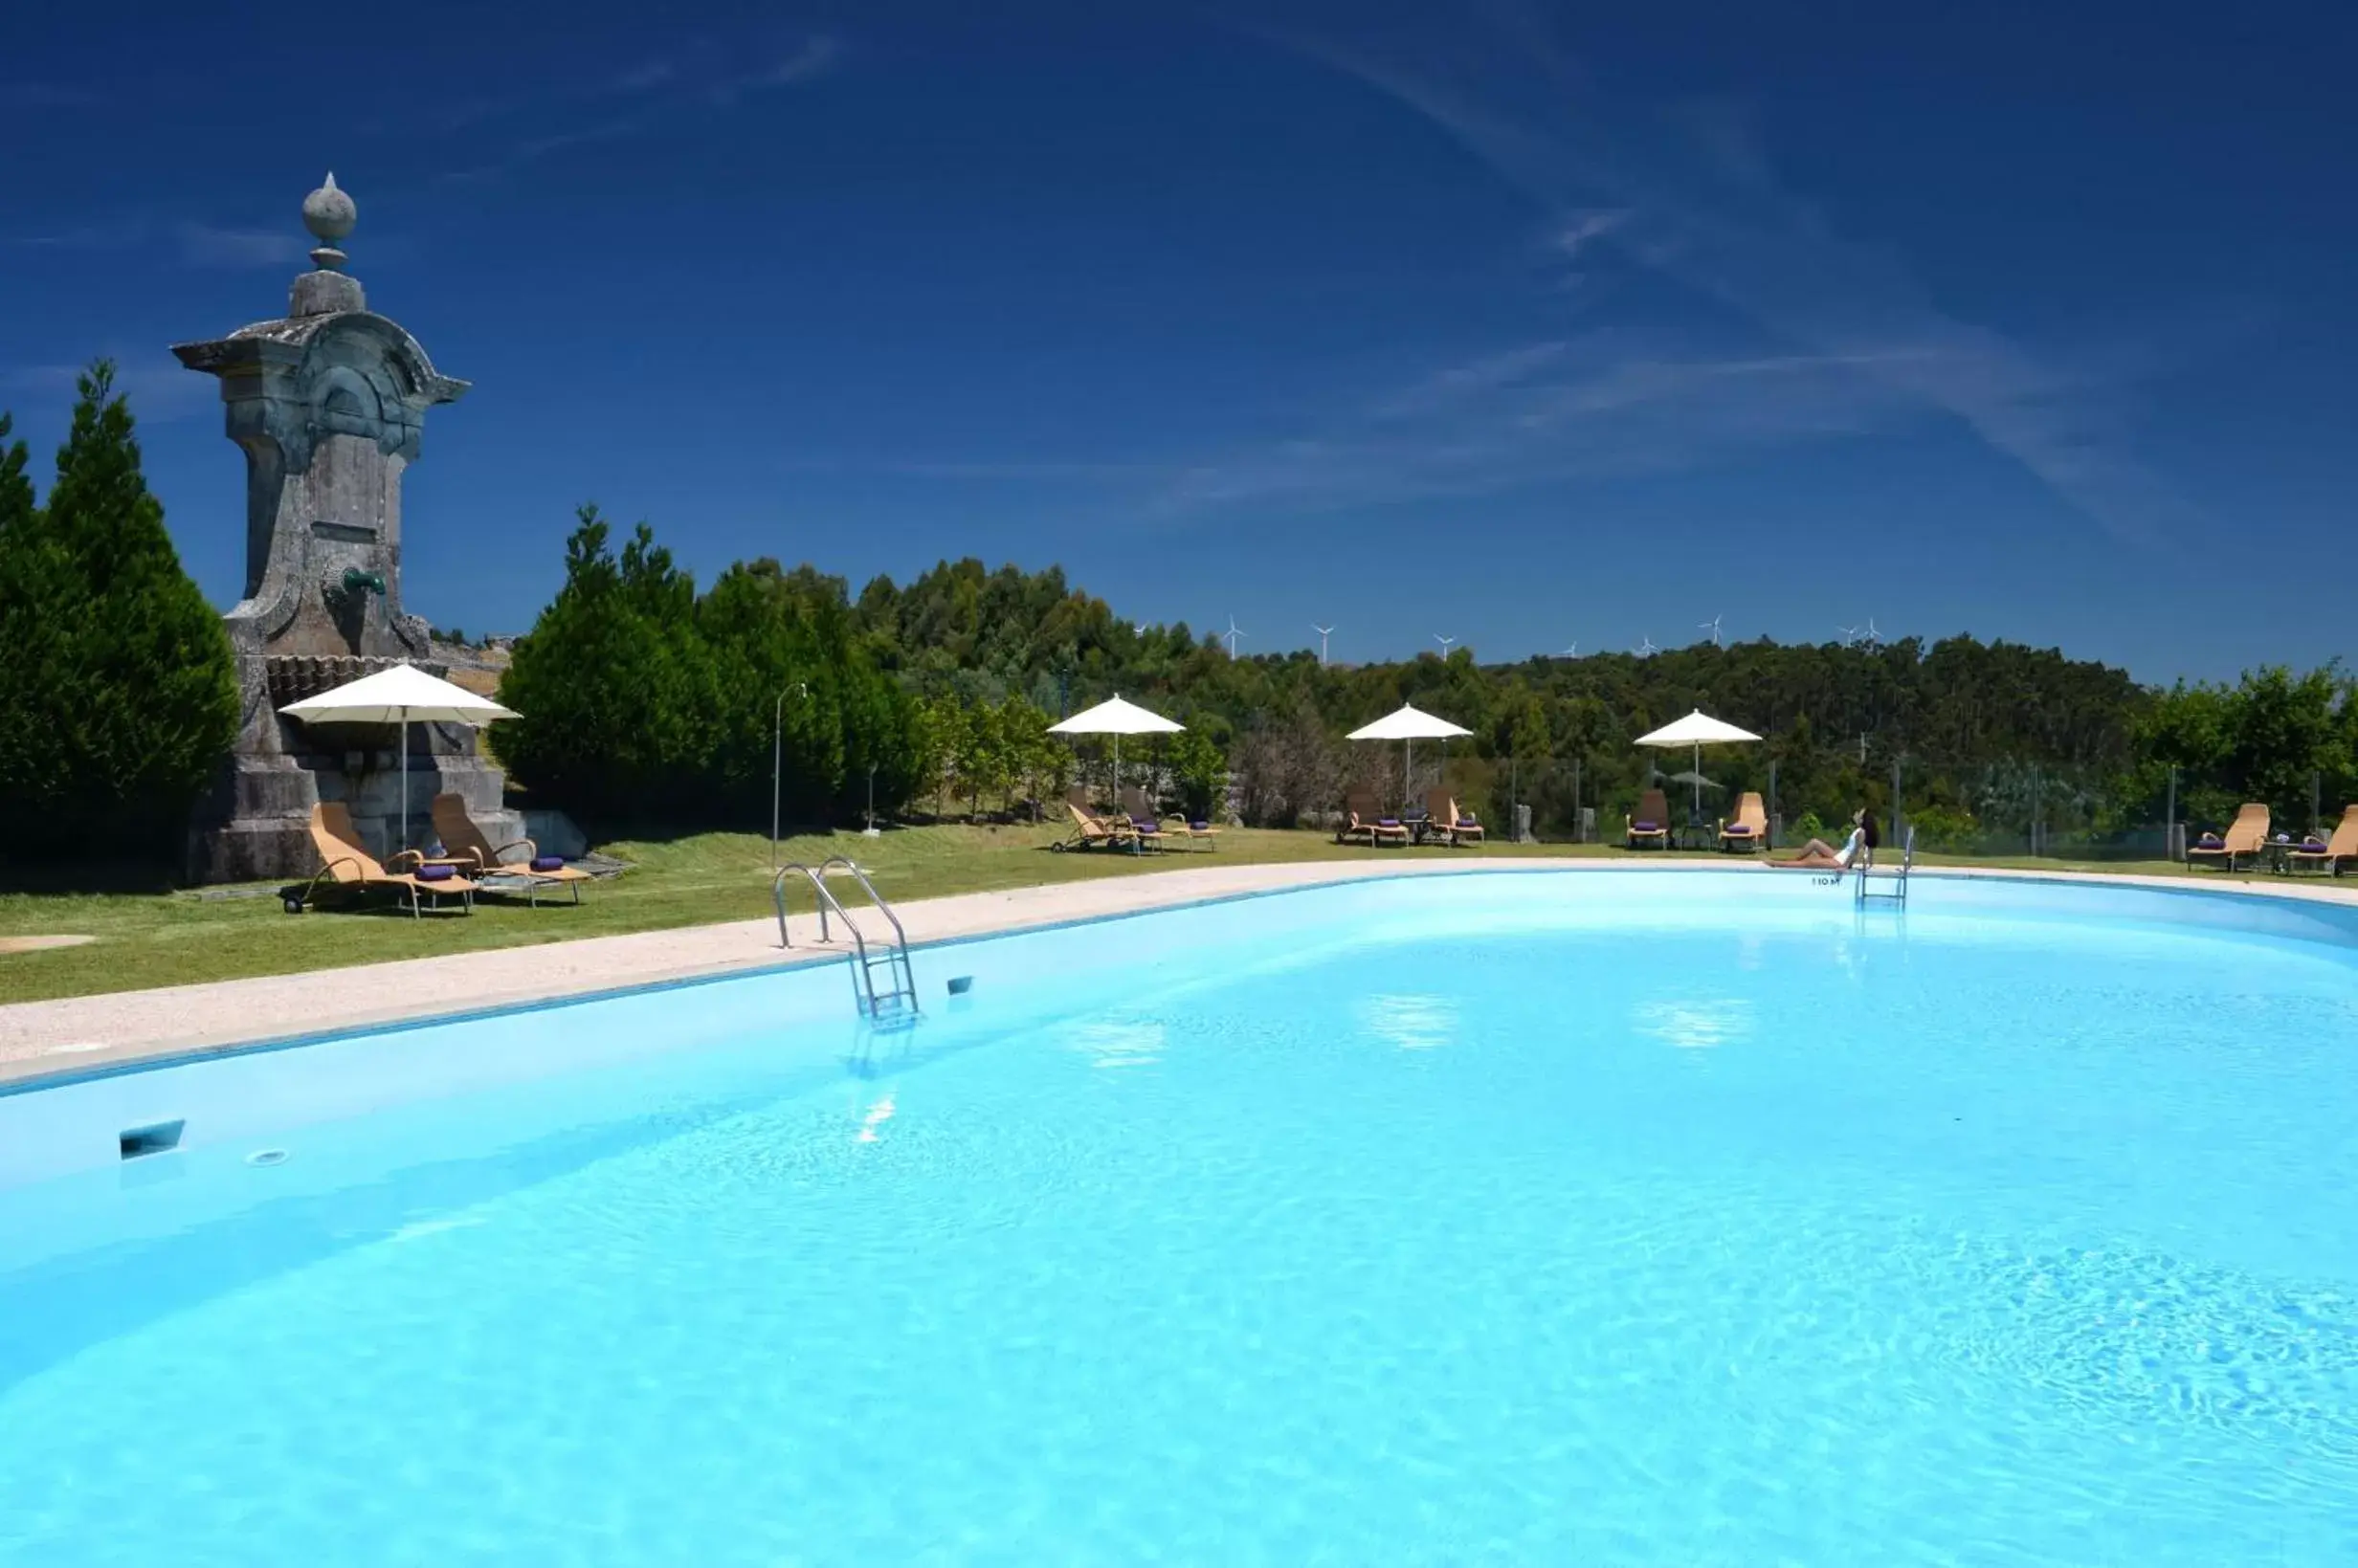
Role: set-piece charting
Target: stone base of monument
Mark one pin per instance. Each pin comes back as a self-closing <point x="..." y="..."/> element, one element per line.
<point x="256" y="824"/>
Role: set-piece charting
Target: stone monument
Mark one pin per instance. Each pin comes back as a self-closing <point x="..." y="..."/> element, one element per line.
<point x="328" y="404"/>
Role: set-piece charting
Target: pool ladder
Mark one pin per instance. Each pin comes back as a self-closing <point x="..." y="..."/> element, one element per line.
<point x="1893" y="877"/>
<point x="897" y="1000"/>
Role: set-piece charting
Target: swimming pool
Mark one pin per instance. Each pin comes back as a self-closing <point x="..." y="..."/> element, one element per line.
<point x="1583" y="1217"/>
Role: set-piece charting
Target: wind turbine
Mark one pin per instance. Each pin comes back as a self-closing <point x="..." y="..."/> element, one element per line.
<point x="1850" y="634"/>
<point x="1231" y="635"/>
<point x="1445" y="643"/>
<point x="1323" y="632"/>
<point x="1711" y="626"/>
<point x="1139" y="627"/>
<point x="1645" y="648"/>
<point x="1875" y="638"/>
<point x="1571" y="652"/>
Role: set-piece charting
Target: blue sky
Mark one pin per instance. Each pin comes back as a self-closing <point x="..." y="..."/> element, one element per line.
<point x="1514" y="323"/>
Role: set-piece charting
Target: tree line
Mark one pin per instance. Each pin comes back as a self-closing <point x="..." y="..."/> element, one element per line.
<point x="649" y="703"/>
<point x="1984" y="739"/>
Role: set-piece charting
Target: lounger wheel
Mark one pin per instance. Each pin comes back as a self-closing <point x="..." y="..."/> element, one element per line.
<point x="294" y="904"/>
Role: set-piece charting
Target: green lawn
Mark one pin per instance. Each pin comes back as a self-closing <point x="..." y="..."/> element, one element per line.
<point x="172" y="939"/>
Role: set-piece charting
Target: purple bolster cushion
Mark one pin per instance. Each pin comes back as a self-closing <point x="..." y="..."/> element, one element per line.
<point x="434" y="873"/>
<point x="2210" y="840"/>
<point x="1199" y="826"/>
<point x="1467" y="822"/>
<point x="1388" y="822"/>
<point x="1143" y="826"/>
<point x="549" y="862"/>
<point x="1646" y="826"/>
<point x="2313" y="846"/>
<point x="1738" y="830"/>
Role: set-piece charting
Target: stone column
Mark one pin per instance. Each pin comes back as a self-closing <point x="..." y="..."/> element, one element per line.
<point x="328" y="403"/>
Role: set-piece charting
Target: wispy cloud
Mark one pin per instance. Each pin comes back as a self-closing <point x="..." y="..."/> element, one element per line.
<point x="1049" y="470"/>
<point x="1581" y="228"/>
<point x="1550" y="411"/>
<point x="156" y="392"/>
<point x="533" y="148"/>
<point x="638" y="99"/>
<point x="209" y="245"/>
<point x="814" y="58"/>
<point x="46" y="95"/>
<point x="1694" y="197"/>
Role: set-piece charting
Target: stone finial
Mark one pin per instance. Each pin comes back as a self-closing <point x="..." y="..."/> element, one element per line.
<point x="329" y="214"/>
<point x="328" y="289"/>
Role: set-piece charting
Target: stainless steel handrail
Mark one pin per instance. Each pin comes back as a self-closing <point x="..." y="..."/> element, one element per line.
<point x="900" y="937"/>
<point x="863" y="980"/>
<point x="1898" y="878"/>
<point x="777" y="896"/>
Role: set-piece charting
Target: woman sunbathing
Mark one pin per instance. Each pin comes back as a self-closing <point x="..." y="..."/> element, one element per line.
<point x="1819" y="855"/>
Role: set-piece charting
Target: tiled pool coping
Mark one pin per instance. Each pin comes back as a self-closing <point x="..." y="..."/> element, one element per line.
<point x="78" y="1036"/>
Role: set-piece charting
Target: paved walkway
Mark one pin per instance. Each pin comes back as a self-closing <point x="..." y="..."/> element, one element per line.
<point x="42" y="1039"/>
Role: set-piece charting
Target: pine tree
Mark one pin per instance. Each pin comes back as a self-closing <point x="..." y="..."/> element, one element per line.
<point x="117" y="691"/>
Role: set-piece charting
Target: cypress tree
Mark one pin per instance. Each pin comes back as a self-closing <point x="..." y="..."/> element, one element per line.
<point x="614" y="686"/>
<point x="118" y="691"/>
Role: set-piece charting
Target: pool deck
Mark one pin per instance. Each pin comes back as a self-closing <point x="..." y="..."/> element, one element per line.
<point x="73" y="1037"/>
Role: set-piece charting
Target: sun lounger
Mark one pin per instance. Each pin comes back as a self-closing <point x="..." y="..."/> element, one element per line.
<point x="1445" y="822"/>
<point x="346" y="863"/>
<point x="2245" y="837"/>
<point x="1749" y="829"/>
<point x="2339" y="854"/>
<point x="1361" y="822"/>
<point x="463" y="840"/>
<point x="1094" y="832"/>
<point x="1179" y="829"/>
<point x="1649" y="823"/>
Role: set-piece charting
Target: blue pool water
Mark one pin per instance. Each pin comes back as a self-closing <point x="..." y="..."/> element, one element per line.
<point x="1525" y="1220"/>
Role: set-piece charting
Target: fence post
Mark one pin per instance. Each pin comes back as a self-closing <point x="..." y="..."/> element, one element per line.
<point x="1580" y="832"/>
<point x="2317" y="802"/>
<point x="1775" y="820"/>
<point x="1896" y="836"/>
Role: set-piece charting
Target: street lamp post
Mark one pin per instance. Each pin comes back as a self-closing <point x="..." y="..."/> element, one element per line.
<point x="777" y="759"/>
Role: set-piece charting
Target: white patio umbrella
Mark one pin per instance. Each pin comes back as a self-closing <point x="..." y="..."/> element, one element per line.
<point x="1409" y="724"/>
<point x="403" y="695"/>
<point x="1697" y="729"/>
<point x="1116" y="717"/>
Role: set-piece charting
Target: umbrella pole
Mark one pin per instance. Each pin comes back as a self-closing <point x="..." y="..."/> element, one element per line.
<point x="404" y="829"/>
<point x="1698" y="781"/>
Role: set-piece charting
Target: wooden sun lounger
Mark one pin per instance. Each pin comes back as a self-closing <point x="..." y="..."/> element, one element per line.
<point x="1362" y="821"/>
<point x="346" y="863"/>
<point x="1650" y="823"/>
<point x="1445" y="822"/>
<point x="1748" y="828"/>
<point x="1178" y="828"/>
<point x="2243" y="840"/>
<point x="1090" y="832"/>
<point x="465" y="841"/>
<point x="2340" y="854"/>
